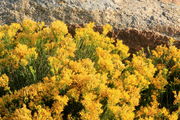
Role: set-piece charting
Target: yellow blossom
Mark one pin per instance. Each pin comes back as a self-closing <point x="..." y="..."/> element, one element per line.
<point x="4" y="81"/>
<point x="22" y="114"/>
<point x="106" y="28"/>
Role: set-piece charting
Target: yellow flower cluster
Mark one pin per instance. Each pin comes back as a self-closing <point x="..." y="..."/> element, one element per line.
<point x="92" y="107"/>
<point x="4" y="81"/>
<point x="64" y="49"/>
<point x="54" y="76"/>
<point x="21" y="55"/>
<point x="167" y="53"/>
<point x="22" y="114"/>
<point x="154" y="112"/>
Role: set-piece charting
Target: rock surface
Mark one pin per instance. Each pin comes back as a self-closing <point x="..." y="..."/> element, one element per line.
<point x="141" y="14"/>
<point x="161" y="16"/>
<point x="134" y="38"/>
<point x="172" y="1"/>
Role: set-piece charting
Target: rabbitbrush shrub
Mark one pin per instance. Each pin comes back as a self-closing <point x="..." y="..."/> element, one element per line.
<point x="46" y="74"/>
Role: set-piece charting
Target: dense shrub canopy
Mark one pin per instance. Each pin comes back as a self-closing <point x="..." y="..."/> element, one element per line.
<point x="46" y="74"/>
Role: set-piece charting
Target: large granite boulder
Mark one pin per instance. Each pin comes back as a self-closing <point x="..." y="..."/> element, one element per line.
<point x="161" y="16"/>
<point x="141" y="14"/>
<point x="172" y="1"/>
